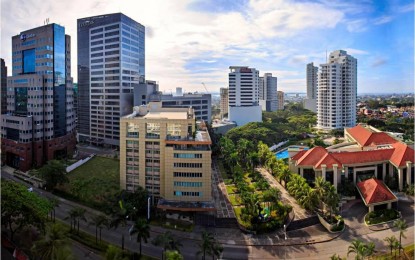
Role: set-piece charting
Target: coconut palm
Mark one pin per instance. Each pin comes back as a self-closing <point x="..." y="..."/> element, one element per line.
<point x="357" y="247"/>
<point x="80" y="215"/>
<point x="320" y="188"/>
<point x="167" y="242"/>
<point x="142" y="229"/>
<point x="216" y="250"/>
<point x="52" y="245"/>
<point x="119" y="219"/>
<point x="332" y="198"/>
<point x="284" y="174"/>
<point x="55" y="203"/>
<point x="391" y="241"/>
<point x="206" y="244"/>
<point x="402" y="226"/>
<point x="99" y="221"/>
<point x="368" y="250"/>
<point x="72" y="216"/>
<point x="336" y="257"/>
<point x="307" y="199"/>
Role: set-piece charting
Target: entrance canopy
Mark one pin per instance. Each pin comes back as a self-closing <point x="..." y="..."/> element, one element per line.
<point x="186" y="206"/>
<point x="374" y="192"/>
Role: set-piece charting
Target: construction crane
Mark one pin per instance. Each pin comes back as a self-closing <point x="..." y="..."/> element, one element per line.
<point x="207" y="92"/>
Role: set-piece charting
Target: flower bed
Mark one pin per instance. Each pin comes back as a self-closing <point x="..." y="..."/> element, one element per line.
<point x="331" y="223"/>
<point x="381" y="216"/>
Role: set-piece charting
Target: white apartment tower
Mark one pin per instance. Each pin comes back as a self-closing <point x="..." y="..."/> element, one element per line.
<point x="337" y="90"/>
<point x="223" y="102"/>
<point x="268" y="97"/>
<point x="244" y="95"/>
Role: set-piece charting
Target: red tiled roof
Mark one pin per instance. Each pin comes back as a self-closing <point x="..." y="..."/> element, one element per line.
<point x="328" y="160"/>
<point x="365" y="137"/>
<point x="374" y="191"/>
<point x="298" y="155"/>
<point x="312" y="156"/>
<point x="402" y="154"/>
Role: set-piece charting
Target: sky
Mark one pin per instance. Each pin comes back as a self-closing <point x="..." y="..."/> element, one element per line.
<point x="193" y="41"/>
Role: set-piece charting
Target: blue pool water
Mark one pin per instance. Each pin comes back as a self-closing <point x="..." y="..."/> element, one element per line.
<point x="284" y="153"/>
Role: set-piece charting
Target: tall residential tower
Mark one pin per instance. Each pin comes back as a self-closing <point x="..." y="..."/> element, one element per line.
<point x="40" y="122"/>
<point x="224" y="102"/>
<point x="268" y="96"/>
<point x="111" y="62"/>
<point x="337" y="90"/>
<point x="244" y="95"/>
<point x="310" y="102"/>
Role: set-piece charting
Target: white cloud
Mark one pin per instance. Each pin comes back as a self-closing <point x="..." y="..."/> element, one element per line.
<point x="383" y="19"/>
<point x="352" y="51"/>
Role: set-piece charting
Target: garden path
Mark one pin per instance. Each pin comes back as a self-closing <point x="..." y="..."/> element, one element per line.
<point x="299" y="212"/>
<point x="223" y="206"/>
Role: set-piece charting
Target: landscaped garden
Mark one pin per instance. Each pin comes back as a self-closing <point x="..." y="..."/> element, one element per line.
<point x="93" y="182"/>
<point x="381" y="216"/>
<point x="257" y="206"/>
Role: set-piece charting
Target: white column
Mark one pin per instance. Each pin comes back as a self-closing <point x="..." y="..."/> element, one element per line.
<point x="354" y="176"/>
<point x="408" y="172"/>
<point x="384" y="172"/>
<point x="400" y="178"/>
<point x="389" y="205"/>
<point x="335" y="182"/>
<point x="323" y="171"/>
<point x="390" y="170"/>
<point x="302" y="172"/>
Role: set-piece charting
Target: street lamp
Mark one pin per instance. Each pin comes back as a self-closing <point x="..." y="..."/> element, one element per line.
<point x="285" y="241"/>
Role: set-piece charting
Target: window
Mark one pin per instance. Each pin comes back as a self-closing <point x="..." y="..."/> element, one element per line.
<point x="187" y="165"/>
<point x="174" y="130"/>
<point x="132" y="130"/>
<point x="187" y="174"/>
<point x="188" y="155"/>
<point x="29" y="61"/>
<point x="187" y="184"/>
<point x="153" y="130"/>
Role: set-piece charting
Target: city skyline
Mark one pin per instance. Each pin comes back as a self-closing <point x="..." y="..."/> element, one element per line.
<point x="196" y="41"/>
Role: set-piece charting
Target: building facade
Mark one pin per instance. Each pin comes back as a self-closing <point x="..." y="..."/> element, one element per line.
<point x="337" y="92"/>
<point x="164" y="151"/>
<point x="40" y="123"/>
<point x="223" y="102"/>
<point x="243" y="95"/>
<point x="310" y="102"/>
<point x="281" y="100"/>
<point x="149" y="92"/>
<point x="268" y="94"/>
<point x="111" y="62"/>
<point x="3" y="87"/>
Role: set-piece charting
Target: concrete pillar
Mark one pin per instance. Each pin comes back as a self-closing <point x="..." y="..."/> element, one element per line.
<point x="323" y="171"/>
<point x="371" y="208"/>
<point x="384" y="171"/>
<point x="390" y="170"/>
<point x="408" y="172"/>
<point x="302" y="172"/>
<point x="335" y="177"/>
<point x="400" y="178"/>
<point x="389" y="205"/>
<point x="354" y="176"/>
<point x="376" y="172"/>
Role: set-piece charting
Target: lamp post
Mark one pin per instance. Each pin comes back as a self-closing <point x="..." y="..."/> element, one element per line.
<point x="285" y="241"/>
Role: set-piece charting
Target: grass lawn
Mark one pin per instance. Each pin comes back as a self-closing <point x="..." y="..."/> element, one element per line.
<point x="231" y="189"/>
<point x="94" y="180"/>
<point x="409" y="251"/>
<point x="235" y="200"/>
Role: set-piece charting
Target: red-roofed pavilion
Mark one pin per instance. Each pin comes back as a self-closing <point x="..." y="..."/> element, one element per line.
<point x="374" y="192"/>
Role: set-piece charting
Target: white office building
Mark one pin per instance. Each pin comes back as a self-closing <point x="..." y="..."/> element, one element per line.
<point x="310" y="102"/>
<point x="337" y="90"/>
<point x="268" y="97"/>
<point x="244" y="95"/>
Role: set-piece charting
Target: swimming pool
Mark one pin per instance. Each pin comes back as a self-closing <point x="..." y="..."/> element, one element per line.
<point x="284" y="153"/>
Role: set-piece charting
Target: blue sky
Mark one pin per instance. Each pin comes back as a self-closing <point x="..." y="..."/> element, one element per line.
<point x="189" y="42"/>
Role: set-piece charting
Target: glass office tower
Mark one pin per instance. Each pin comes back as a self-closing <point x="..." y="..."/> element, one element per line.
<point x="111" y="63"/>
<point x="39" y="124"/>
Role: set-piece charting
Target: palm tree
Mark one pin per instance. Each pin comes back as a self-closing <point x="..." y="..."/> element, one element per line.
<point x="402" y="226"/>
<point x="307" y="199"/>
<point x="332" y="198"/>
<point x="52" y="245"/>
<point x="55" y="203"/>
<point x="72" y="216"/>
<point x="336" y="257"/>
<point x="80" y="215"/>
<point x="119" y="218"/>
<point x="284" y="174"/>
<point x="207" y="241"/>
<point x="320" y="187"/>
<point x="167" y="242"/>
<point x="391" y="242"/>
<point x="99" y="221"/>
<point x="357" y="247"/>
<point x="368" y="250"/>
<point x="142" y="229"/>
<point x="216" y="250"/>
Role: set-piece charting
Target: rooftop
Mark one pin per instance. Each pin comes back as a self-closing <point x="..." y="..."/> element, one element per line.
<point x="366" y="136"/>
<point x="374" y="191"/>
<point x="167" y="115"/>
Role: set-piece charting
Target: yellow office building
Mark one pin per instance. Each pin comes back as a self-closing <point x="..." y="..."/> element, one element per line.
<point x="163" y="150"/>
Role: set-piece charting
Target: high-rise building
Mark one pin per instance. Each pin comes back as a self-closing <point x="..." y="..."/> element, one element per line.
<point x="179" y="91"/>
<point x="310" y="102"/>
<point x="268" y="92"/>
<point x="149" y="92"/>
<point x="281" y="100"/>
<point x="40" y="122"/>
<point x="111" y="62"/>
<point x="337" y="90"/>
<point x="3" y="87"/>
<point x="164" y="151"/>
<point x="243" y="95"/>
<point x="223" y="102"/>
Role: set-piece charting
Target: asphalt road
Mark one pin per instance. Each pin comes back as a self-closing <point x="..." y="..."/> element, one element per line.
<point x="190" y="247"/>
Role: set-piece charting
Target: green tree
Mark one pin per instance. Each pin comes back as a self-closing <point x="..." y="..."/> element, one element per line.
<point x="320" y="187"/>
<point x="402" y="226"/>
<point x="21" y="208"/>
<point x="53" y="173"/>
<point x="55" y="244"/>
<point x="72" y="215"/>
<point x="391" y="241"/>
<point x="336" y="257"/>
<point x="167" y="242"/>
<point x="142" y="229"/>
<point x="271" y="195"/>
<point x="119" y="219"/>
<point x="99" y="221"/>
<point x="206" y="244"/>
<point x="80" y="215"/>
<point x="54" y="203"/>
<point x="173" y="255"/>
<point x="114" y="253"/>
<point x="357" y="247"/>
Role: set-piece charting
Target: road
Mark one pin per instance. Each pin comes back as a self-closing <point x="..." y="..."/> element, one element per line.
<point x="190" y="247"/>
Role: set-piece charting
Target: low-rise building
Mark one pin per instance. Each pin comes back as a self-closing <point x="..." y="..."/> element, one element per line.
<point x="366" y="153"/>
<point x="166" y="152"/>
